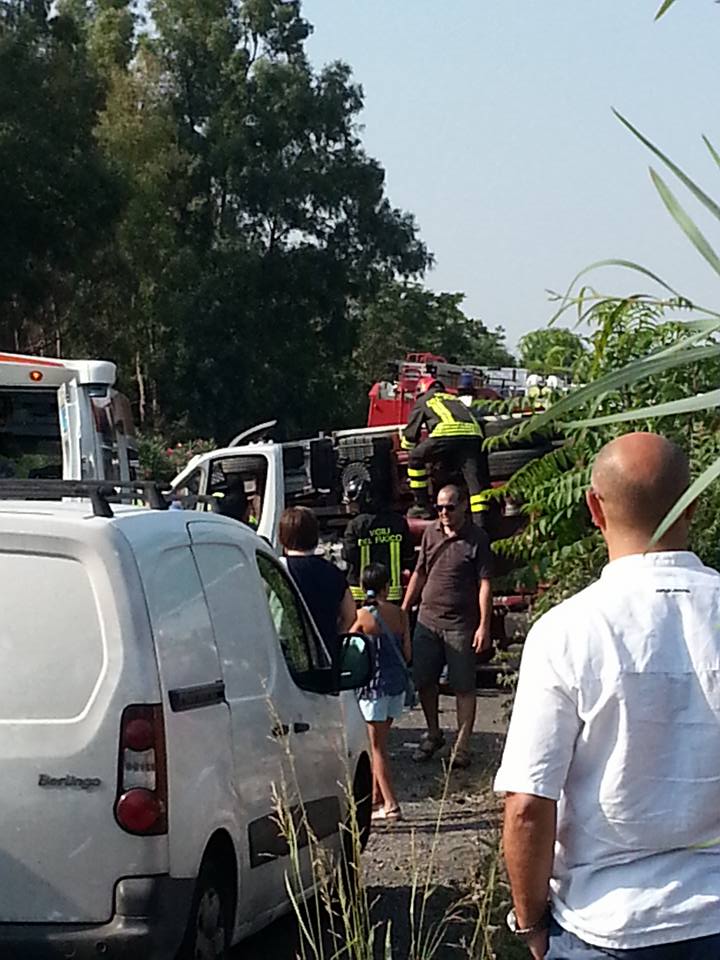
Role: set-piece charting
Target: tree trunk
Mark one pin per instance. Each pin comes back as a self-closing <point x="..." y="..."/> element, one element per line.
<point x="141" y="387"/>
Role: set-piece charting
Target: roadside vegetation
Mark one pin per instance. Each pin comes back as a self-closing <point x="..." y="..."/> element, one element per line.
<point x="340" y="921"/>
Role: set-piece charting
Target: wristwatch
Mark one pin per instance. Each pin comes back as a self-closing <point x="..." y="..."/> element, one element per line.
<point x="525" y="933"/>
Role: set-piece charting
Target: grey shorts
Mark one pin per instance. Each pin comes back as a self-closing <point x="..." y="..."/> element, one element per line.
<point x="432" y="649"/>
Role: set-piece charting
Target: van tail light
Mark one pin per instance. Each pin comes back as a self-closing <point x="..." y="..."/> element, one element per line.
<point x="141" y="806"/>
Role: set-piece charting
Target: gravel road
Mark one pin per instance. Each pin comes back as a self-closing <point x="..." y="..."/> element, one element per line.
<point x="447" y="835"/>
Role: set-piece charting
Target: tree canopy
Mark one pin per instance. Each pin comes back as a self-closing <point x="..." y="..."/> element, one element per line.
<point x="550" y="350"/>
<point x="189" y="198"/>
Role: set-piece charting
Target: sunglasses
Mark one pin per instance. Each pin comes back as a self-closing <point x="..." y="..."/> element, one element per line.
<point x="447" y="507"/>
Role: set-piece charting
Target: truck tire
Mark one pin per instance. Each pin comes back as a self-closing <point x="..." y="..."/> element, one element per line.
<point x="495" y="426"/>
<point x="502" y="464"/>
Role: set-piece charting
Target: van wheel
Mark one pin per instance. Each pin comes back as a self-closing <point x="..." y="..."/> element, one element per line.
<point x="208" y="931"/>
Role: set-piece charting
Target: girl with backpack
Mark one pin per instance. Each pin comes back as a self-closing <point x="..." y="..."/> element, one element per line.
<point x="384" y="697"/>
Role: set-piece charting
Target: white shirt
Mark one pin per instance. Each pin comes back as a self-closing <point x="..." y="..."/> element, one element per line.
<point x="617" y="716"/>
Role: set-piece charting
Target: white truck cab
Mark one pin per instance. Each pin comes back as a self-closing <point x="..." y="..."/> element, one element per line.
<point x="161" y="677"/>
<point x="273" y="475"/>
<point x="64" y="419"/>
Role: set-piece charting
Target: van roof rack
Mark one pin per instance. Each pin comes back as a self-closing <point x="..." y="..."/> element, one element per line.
<point x="100" y="492"/>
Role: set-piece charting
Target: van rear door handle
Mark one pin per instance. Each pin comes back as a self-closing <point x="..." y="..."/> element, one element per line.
<point x="280" y="730"/>
<point x="301" y="727"/>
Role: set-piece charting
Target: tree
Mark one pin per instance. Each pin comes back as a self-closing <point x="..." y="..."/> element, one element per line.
<point x="60" y="200"/>
<point x="550" y="350"/>
<point x="199" y="208"/>
<point x="559" y="547"/>
<point x="406" y="317"/>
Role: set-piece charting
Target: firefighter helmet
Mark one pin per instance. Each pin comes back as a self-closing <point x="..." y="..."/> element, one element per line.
<point x="425" y="383"/>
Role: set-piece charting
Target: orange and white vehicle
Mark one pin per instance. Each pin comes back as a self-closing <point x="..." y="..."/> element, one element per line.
<point x="64" y="419"/>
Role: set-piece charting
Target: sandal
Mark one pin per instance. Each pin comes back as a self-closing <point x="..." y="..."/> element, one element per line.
<point x="428" y="746"/>
<point x="461" y="760"/>
<point x="391" y="816"/>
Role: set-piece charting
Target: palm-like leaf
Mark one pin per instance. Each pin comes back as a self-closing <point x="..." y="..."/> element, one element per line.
<point x="685" y="223"/>
<point x="676" y="356"/>
<point x="673" y="408"/>
<point x="664" y="8"/>
<point x="689" y="349"/>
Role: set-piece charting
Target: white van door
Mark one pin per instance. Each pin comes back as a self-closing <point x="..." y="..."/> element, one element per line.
<point x="311" y="723"/>
<point x="197" y="719"/>
<point x="70" y="642"/>
<point x="250" y="672"/>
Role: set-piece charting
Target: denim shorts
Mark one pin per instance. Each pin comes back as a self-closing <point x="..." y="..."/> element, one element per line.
<point x="566" y="946"/>
<point x="432" y="649"/>
<point x="384" y="708"/>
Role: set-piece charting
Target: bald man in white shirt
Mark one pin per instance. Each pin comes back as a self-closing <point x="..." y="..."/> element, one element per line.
<point x="611" y="768"/>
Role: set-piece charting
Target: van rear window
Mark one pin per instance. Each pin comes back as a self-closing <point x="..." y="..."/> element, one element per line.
<point x="52" y="647"/>
<point x="30" y="440"/>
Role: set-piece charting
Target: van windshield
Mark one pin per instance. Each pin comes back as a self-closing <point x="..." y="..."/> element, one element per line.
<point x="30" y="440"/>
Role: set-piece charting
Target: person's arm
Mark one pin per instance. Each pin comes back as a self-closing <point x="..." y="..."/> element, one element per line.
<point x="406" y="641"/>
<point x="348" y="612"/>
<point x="483" y="639"/>
<point x="360" y="622"/>
<point x="417" y="580"/>
<point x="539" y="748"/>
<point x="414" y="590"/>
<point x="411" y="433"/>
<point x="529" y="843"/>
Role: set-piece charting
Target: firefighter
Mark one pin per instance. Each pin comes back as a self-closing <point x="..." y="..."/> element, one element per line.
<point x="377" y="534"/>
<point x="454" y="438"/>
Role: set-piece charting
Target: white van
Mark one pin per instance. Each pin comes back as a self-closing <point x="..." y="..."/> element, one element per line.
<point x="160" y="674"/>
<point x="64" y="419"/>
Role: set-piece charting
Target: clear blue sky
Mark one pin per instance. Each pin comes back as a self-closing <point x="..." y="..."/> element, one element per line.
<point x="492" y="119"/>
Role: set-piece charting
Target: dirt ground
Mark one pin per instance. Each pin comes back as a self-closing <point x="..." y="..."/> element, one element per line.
<point x="450" y="825"/>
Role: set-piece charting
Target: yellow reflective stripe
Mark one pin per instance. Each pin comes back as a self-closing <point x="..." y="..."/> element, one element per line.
<point x="395" y="593"/>
<point x="440" y="410"/>
<point x="418" y="484"/>
<point x="395" y="574"/>
<point x="456" y="429"/>
<point x="412" y="472"/>
<point x="482" y="496"/>
<point x="357" y="593"/>
<point x="364" y="556"/>
<point x="406" y="444"/>
<point x="478" y="507"/>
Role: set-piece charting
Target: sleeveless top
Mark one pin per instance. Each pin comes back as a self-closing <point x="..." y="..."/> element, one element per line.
<point x="389" y="673"/>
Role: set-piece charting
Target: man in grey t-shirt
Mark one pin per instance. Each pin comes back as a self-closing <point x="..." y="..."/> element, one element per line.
<point x="452" y="582"/>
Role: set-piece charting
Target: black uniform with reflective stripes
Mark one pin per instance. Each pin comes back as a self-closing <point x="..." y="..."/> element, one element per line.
<point x="455" y="438"/>
<point x="382" y="537"/>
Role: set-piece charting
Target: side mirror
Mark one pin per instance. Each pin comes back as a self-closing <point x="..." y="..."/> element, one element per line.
<point x="355" y="662"/>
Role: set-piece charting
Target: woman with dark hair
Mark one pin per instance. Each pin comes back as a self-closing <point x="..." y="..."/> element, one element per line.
<point x="384" y="697"/>
<point x="323" y="586"/>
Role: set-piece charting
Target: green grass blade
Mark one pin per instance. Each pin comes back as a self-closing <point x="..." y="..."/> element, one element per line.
<point x="567" y="300"/>
<point x="702" y="401"/>
<point x="664" y="8"/>
<point x="629" y="374"/>
<point x="685" y="223"/>
<point x="690" y="495"/>
<point x="680" y="174"/>
<point x="713" y="152"/>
